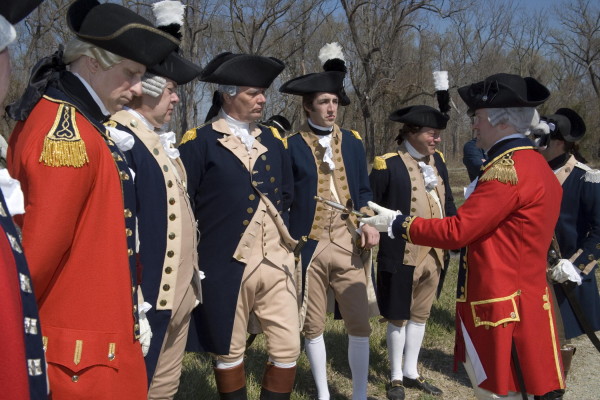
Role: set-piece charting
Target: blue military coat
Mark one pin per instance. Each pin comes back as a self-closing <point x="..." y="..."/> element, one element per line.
<point x="224" y="197"/>
<point x="578" y="235"/>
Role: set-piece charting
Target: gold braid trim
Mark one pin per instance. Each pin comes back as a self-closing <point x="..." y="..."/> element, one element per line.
<point x="441" y="155"/>
<point x="189" y="135"/>
<point x="63" y="146"/>
<point x="278" y="136"/>
<point x="502" y="170"/>
<point x="356" y="134"/>
<point x="379" y="162"/>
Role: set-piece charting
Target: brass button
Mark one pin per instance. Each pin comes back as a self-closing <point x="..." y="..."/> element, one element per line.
<point x="342" y="178"/>
<point x="111" y="357"/>
<point x="136" y="327"/>
<point x="414" y="199"/>
<point x="314" y="226"/>
<point x="166" y="287"/>
<point x="276" y="190"/>
<point x="130" y="252"/>
<point x="124" y="175"/>
<point x="413" y="209"/>
<point x="245" y="222"/>
<point x="171" y="201"/>
<point x="407" y="251"/>
<point x="163" y="303"/>
<point x="135" y="308"/>
<point x="128" y="232"/>
<point x="317" y="218"/>
<point x="133" y="123"/>
<point x="254" y="183"/>
<point x="155" y="151"/>
<point x="75" y="378"/>
<point x="321" y="180"/>
<point x="127" y="213"/>
<point x="168" y="270"/>
<point x="513" y="315"/>
<point x="410" y="168"/>
<point x="170" y="184"/>
<point x="251" y="197"/>
<point x="165" y="168"/>
<point x="172" y="217"/>
<point x="344" y="187"/>
<point x="268" y="167"/>
<point x="250" y="210"/>
<point x="263" y="157"/>
<point x="272" y="179"/>
<point x="172" y="235"/>
<point x="170" y="253"/>
<point x="414" y="189"/>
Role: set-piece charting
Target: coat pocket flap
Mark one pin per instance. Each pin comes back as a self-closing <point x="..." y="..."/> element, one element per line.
<point x="493" y="312"/>
<point x="77" y="349"/>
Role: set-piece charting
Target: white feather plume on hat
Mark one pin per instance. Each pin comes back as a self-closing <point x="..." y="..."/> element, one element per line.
<point x="440" y="80"/>
<point x="330" y="51"/>
<point x="168" y="12"/>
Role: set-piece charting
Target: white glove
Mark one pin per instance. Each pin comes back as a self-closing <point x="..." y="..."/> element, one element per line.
<point x="563" y="271"/>
<point x="145" y="330"/>
<point x="384" y="218"/>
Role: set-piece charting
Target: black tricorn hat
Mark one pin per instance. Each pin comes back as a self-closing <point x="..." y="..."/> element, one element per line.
<point x="119" y="30"/>
<point x="280" y="122"/>
<point x="15" y="10"/>
<point x="420" y="116"/>
<point x="175" y="66"/>
<point x="568" y="124"/>
<point x="328" y="82"/>
<point x="504" y="91"/>
<point x="242" y="70"/>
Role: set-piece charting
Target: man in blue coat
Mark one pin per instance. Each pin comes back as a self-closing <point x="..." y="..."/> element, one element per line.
<point x="166" y="223"/>
<point x="330" y="162"/>
<point x="240" y="183"/>
<point x="413" y="180"/>
<point x="578" y="228"/>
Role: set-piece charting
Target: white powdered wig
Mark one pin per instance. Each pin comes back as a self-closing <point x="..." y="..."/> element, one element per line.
<point x="153" y="85"/>
<point x="330" y="51"/>
<point x="7" y="33"/>
<point x="168" y="12"/>
<point x="440" y="80"/>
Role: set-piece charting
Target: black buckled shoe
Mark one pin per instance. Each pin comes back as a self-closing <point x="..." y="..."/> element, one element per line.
<point x="423" y="385"/>
<point x="553" y="395"/>
<point x="396" y="391"/>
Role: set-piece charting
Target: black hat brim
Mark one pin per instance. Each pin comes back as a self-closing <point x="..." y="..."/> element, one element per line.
<point x="421" y="115"/>
<point x="15" y="10"/>
<point x="569" y="124"/>
<point x="121" y="31"/>
<point x="242" y="70"/>
<point x="504" y="91"/>
<point x="327" y="82"/>
<point x="177" y="69"/>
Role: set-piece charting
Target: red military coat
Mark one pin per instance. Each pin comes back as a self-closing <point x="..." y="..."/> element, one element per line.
<point x="76" y="243"/>
<point x="507" y="224"/>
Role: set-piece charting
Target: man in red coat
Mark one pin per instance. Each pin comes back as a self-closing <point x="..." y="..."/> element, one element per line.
<point x="23" y="369"/>
<point x="79" y="225"/>
<point x="505" y="327"/>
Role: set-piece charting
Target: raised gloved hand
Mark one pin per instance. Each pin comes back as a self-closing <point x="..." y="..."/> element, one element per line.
<point x="145" y="330"/>
<point x="383" y="219"/>
<point x="564" y="271"/>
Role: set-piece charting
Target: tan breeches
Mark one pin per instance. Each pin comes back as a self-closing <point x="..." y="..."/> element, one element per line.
<point x="269" y="291"/>
<point x="168" y="368"/>
<point x="343" y="271"/>
<point x="425" y="282"/>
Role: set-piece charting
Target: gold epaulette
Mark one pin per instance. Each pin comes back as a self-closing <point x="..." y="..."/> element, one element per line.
<point x="379" y="162"/>
<point x="63" y="146"/>
<point x="278" y="136"/>
<point x="356" y="134"/>
<point x="441" y="155"/>
<point x="191" y="134"/>
<point x="502" y="170"/>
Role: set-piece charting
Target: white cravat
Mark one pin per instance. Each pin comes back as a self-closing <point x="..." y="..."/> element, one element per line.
<point x="429" y="175"/>
<point x="325" y="142"/>
<point x="11" y="190"/>
<point x="240" y="129"/>
<point x="168" y="139"/>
